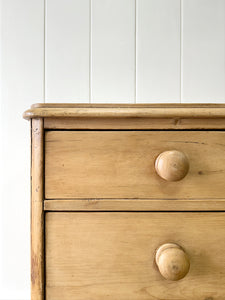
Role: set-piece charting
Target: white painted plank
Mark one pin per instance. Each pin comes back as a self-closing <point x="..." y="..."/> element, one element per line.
<point x="67" y="50"/>
<point x="22" y="60"/>
<point x="158" y="51"/>
<point x="113" y="51"/>
<point x="203" y="51"/>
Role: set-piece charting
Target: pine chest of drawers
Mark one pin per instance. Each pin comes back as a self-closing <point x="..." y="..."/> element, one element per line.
<point x="128" y="202"/>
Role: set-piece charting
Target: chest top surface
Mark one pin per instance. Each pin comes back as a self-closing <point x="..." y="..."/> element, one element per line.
<point x="129" y="116"/>
<point x="62" y="110"/>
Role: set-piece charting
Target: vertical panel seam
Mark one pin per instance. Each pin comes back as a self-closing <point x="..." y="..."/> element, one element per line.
<point x="90" y="51"/>
<point x="44" y="54"/>
<point x="135" y="51"/>
<point x="181" y="51"/>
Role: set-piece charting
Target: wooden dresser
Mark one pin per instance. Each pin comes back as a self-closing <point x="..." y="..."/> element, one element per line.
<point x="128" y="202"/>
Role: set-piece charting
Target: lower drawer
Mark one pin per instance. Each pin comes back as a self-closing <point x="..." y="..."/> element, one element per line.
<point x="93" y="256"/>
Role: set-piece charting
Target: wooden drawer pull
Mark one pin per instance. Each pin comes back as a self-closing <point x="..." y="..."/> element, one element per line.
<point x="172" y="261"/>
<point x="172" y="165"/>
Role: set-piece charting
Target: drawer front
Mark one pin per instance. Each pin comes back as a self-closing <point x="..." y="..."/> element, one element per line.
<point x="112" y="255"/>
<point x="121" y="164"/>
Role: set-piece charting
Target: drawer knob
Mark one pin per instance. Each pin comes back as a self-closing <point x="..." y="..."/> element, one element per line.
<point x="172" y="165"/>
<point x="173" y="263"/>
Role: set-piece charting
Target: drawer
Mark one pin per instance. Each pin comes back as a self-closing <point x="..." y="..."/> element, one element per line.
<point x="121" y="164"/>
<point x="112" y="256"/>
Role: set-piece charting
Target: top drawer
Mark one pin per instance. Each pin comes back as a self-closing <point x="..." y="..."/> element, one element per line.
<point x="121" y="164"/>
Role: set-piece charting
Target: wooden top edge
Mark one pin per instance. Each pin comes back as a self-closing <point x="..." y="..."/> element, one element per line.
<point x="125" y="110"/>
<point x="99" y="105"/>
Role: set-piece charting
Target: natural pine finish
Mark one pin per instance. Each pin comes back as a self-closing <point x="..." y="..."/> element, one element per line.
<point x="120" y="164"/>
<point x="37" y="212"/>
<point x="126" y="111"/>
<point x="174" y="123"/>
<point x="112" y="255"/>
<point x="172" y="165"/>
<point x="100" y="211"/>
<point x="172" y="261"/>
<point x="126" y="116"/>
<point x="135" y="205"/>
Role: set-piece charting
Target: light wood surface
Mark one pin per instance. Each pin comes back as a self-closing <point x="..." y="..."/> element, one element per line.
<point x="37" y="212"/>
<point x="126" y="116"/>
<point x="125" y="255"/>
<point x="175" y="123"/>
<point x="135" y="205"/>
<point x="172" y="165"/>
<point x="172" y="261"/>
<point x="120" y="164"/>
<point x="112" y="255"/>
<point x="126" y="111"/>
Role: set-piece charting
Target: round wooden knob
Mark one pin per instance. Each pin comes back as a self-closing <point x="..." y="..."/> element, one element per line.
<point x="172" y="261"/>
<point x="172" y="165"/>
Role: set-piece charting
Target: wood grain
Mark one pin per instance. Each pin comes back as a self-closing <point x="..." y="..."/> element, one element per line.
<point x="172" y="261"/>
<point x="37" y="212"/>
<point x="126" y="112"/>
<point x="120" y="164"/>
<point x="135" y="205"/>
<point x="175" y="123"/>
<point x="172" y="165"/>
<point x="61" y="121"/>
<point x="112" y="255"/>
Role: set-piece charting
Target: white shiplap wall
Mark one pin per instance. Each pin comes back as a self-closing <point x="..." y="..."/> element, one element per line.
<point x="158" y="47"/>
<point x="203" y="51"/>
<point x="22" y="44"/>
<point x="67" y="50"/>
<point x="116" y="51"/>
